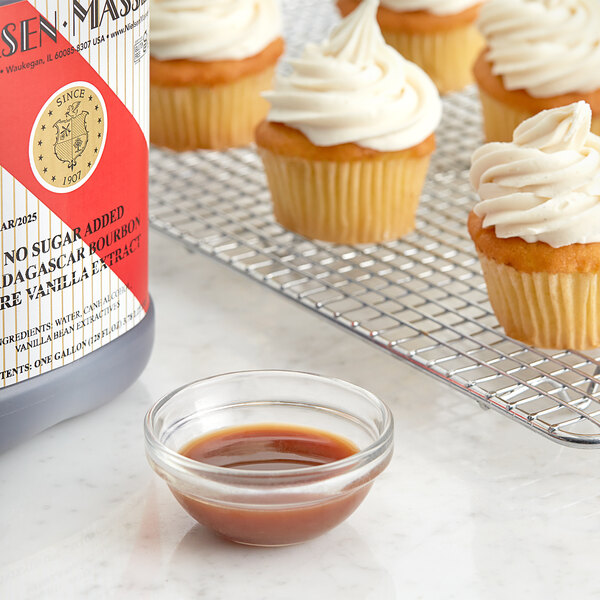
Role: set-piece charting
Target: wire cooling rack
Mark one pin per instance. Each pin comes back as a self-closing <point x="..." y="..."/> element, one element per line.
<point x="422" y="298"/>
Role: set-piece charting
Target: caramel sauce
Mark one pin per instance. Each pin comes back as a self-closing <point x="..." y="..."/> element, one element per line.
<point x="263" y="448"/>
<point x="268" y="447"/>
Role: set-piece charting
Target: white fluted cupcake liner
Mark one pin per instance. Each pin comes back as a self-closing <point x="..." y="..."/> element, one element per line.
<point x="547" y="310"/>
<point x="359" y="201"/>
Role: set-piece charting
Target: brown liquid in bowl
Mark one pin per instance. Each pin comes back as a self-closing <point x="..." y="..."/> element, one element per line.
<point x="263" y="448"/>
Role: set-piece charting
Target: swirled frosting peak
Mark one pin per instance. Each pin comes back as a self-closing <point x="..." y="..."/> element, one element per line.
<point x="353" y="87"/>
<point x="544" y="186"/>
<point x="435" y="7"/>
<point x="207" y="30"/>
<point x="547" y="47"/>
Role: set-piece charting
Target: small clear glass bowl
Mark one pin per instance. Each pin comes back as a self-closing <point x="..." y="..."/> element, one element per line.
<point x="276" y="507"/>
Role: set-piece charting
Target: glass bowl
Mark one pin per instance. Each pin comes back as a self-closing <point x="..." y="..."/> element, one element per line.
<point x="273" y="507"/>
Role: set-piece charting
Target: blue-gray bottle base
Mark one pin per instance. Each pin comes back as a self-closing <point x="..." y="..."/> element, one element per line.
<point x="29" y="407"/>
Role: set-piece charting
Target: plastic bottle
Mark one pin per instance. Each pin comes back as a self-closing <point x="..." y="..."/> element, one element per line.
<point x="76" y="319"/>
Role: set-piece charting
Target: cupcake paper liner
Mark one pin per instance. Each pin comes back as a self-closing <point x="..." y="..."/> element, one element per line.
<point x="501" y="119"/>
<point x="348" y="202"/>
<point x="446" y="56"/>
<point x="547" y="310"/>
<point x="217" y="117"/>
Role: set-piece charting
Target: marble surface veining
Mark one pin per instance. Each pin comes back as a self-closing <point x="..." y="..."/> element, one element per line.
<point x="472" y="506"/>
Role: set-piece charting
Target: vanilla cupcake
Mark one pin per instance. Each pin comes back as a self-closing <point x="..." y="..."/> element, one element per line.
<point x="210" y="61"/>
<point x="540" y="54"/>
<point x="347" y="142"/>
<point x="537" y="228"/>
<point x="438" y="35"/>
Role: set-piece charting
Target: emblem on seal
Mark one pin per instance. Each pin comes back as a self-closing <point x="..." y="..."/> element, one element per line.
<point x="67" y="139"/>
<point x="71" y="135"/>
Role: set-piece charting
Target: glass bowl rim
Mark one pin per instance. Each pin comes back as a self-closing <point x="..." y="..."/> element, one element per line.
<point x="384" y="441"/>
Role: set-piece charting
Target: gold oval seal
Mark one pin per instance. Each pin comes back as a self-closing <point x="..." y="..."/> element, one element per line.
<point x="68" y="137"/>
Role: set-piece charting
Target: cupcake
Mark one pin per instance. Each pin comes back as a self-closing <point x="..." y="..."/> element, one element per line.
<point x="347" y="142"/>
<point x="438" y="35"/>
<point x="537" y="228"/>
<point x="210" y="60"/>
<point x="539" y="54"/>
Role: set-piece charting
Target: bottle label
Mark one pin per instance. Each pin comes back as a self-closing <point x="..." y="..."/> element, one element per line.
<point x="73" y="179"/>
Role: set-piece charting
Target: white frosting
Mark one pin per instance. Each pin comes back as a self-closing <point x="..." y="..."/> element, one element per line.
<point x="435" y="7"/>
<point x="355" y="88"/>
<point x="544" y="186"/>
<point x="547" y="47"/>
<point x="207" y="30"/>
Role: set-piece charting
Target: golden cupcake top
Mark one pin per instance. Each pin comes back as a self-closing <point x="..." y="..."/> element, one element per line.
<point x="547" y="47"/>
<point x="435" y="7"/>
<point x="544" y="186"/>
<point x="211" y="30"/>
<point x="354" y="88"/>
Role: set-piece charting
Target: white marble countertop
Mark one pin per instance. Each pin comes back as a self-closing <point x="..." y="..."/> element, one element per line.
<point x="472" y="505"/>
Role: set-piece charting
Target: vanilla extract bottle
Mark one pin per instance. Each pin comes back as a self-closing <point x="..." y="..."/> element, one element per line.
<point x="77" y="320"/>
